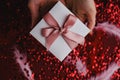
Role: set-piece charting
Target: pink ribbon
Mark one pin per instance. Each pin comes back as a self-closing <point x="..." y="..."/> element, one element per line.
<point x="51" y="33"/>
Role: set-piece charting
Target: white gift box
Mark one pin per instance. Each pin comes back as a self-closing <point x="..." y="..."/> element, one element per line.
<point x="59" y="48"/>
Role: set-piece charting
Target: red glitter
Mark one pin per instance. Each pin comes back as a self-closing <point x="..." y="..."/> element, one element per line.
<point x="100" y="50"/>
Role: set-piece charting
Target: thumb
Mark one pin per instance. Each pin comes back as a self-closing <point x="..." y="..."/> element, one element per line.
<point x="91" y="21"/>
<point x="34" y="9"/>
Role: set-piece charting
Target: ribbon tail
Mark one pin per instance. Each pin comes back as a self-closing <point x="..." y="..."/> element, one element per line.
<point x="72" y="44"/>
<point x="73" y="39"/>
<point x="51" y="38"/>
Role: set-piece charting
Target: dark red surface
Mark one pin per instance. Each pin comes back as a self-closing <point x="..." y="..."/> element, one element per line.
<point x="101" y="47"/>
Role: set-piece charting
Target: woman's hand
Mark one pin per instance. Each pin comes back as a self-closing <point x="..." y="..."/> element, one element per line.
<point x="86" y="11"/>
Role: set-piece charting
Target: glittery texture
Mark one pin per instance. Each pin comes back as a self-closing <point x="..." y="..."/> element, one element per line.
<point x="108" y="10"/>
<point x="100" y="51"/>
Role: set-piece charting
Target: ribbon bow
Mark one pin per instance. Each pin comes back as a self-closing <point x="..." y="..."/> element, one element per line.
<point x="51" y="33"/>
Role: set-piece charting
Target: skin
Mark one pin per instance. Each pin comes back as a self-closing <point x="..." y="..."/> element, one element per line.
<point x="84" y="9"/>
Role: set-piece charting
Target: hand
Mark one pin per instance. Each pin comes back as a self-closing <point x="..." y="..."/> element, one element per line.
<point x="86" y="11"/>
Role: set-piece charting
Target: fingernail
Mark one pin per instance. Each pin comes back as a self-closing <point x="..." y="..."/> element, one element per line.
<point x="91" y="32"/>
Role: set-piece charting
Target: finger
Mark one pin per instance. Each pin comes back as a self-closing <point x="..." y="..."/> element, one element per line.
<point x="91" y="20"/>
<point x="34" y="9"/>
<point x="38" y="2"/>
<point x="81" y="17"/>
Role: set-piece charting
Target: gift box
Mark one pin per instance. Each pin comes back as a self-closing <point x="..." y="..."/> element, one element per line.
<point x="60" y="31"/>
